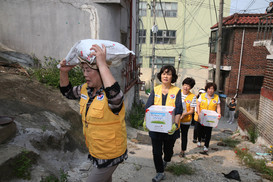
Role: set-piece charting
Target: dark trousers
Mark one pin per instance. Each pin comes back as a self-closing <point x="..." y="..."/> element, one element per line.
<point x="184" y="136"/>
<point x="207" y="132"/>
<point x="167" y="146"/>
<point x="198" y="132"/>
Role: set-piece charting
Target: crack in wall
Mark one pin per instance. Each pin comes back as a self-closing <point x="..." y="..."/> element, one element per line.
<point x="93" y="18"/>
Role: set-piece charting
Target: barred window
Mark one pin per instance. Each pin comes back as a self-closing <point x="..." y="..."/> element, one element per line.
<point x="142" y="36"/>
<point x="142" y="8"/>
<point x="164" y="37"/>
<point x="169" y="9"/>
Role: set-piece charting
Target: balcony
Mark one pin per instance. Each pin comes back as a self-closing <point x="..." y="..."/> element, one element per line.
<point x="265" y="34"/>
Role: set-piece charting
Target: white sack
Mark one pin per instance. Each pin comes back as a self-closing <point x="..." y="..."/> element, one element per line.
<point x="114" y="51"/>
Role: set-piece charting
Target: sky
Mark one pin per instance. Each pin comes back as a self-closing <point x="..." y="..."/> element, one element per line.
<point x="248" y="6"/>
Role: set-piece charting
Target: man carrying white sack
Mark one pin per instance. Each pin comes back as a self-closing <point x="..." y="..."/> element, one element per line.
<point x="102" y="111"/>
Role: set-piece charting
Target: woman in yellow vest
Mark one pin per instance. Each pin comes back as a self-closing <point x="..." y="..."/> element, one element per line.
<point x="189" y="103"/>
<point x="166" y="95"/>
<point x="102" y="111"/>
<point x="208" y="101"/>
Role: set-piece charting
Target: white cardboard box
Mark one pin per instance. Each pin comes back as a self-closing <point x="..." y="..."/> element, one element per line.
<point x="209" y="118"/>
<point x="160" y="118"/>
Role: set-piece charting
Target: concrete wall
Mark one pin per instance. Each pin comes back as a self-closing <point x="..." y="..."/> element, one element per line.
<point x="51" y="28"/>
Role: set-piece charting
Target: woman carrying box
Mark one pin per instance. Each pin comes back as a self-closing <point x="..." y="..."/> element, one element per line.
<point x="189" y="103"/>
<point x="208" y="101"/>
<point x="165" y="95"/>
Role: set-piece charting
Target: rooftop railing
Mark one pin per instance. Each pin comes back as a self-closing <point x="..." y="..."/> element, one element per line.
<point x="265" y="28"/>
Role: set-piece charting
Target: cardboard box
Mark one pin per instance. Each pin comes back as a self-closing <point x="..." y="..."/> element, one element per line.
<point x="209" y="118"/>
<point x="160" y="118"/>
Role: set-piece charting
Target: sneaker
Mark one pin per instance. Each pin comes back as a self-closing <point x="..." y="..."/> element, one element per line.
<point x="159" y="177"/>
<point x="198" y="144"/>
<point x="165" y="164"/>
<point x="182" y="154"/>
<point x="206" y="149"/>
<point x="194" y="141"/>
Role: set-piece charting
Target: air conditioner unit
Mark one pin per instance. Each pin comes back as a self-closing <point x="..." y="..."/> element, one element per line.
<point x="164" y="33"/>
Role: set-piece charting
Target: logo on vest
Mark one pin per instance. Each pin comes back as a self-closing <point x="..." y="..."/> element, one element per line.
<point x="172" y="96"/>
<point x="100" y="97"/>
<point x="188" y="101"/>
<point x="83" y="96"/>
<point x="214" y="101"/>
<point x="157" y="95"/>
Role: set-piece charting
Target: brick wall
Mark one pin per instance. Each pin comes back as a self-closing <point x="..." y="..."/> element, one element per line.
<point x="245" y="120"/>
<point x="268" y="79"/>
<point x="253" y="61"/>
<point x="266" y="119"/>
<point x="266" y="105"/>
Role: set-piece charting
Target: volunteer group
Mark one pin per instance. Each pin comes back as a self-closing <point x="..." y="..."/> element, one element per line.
<point x="103" y="113"/>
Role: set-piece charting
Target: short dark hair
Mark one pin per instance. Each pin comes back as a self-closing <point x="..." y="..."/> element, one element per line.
<point x="168" y="68"/>
<point x="210" y="84"/>
<point x="233" y="99"/>
<point x="190" y="81"/>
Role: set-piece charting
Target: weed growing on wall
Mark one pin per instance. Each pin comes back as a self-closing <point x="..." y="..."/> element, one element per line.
<point x="49" y="74"/>
<point x="136" y="115"/>
<point x="253" y="134"/>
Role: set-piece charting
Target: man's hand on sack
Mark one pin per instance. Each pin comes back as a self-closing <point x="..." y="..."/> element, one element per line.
<point x="174" y="127"/>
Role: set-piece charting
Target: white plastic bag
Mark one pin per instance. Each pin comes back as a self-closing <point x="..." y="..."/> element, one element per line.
<point x="114" y="51"/>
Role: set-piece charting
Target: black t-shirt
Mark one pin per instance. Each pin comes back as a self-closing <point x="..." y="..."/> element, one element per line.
<point x="232" y="105"/>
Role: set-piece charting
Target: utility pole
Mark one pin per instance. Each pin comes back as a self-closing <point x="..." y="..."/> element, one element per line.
<point x="219" y="45"/>
<point x="154" y="30"/>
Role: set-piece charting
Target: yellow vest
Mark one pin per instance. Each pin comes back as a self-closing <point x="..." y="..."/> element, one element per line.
<point x="204" y="102"/>
<point x="171" y="97"/>
<point x="105" y="132"/>
<point x="188" y="101"/>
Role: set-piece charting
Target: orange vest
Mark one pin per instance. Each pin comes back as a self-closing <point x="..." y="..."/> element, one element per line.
<point x="105" y="132"/>
<point x="171" y="97"/>
<point x="212" y="104"/>
<point x="188" y="101"/>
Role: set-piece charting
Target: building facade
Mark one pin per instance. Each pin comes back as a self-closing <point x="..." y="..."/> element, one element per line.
<point x="181" y="39"/>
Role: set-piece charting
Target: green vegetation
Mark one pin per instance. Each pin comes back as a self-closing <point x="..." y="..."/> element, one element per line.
<point x="136" y="115"/>
<point x="148" y="91"/>
<point x="253" y="134"/>
<point x="22" y="166"/>
<point x="180" y="168"/>
<point x="230" y="142"/>
<point x="257" y="164"/>
<point x="52" y="178"/>
<point x="49" y="74"/>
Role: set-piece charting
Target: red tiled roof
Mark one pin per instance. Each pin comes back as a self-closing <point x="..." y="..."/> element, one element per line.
<point x="240" y="19"/>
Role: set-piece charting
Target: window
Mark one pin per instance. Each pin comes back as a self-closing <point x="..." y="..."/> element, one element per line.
<point x="226" y="41"/>
<point x="161" y="61"/>
<point x="253" y="84"/>
<point x="142" y="8"/>
<point x="142" y="36"/>
<point x="213" y="42"/>
<point x="140" y="61"/>
<point x="164" y="37"/>
<point x="169" y="9"/>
